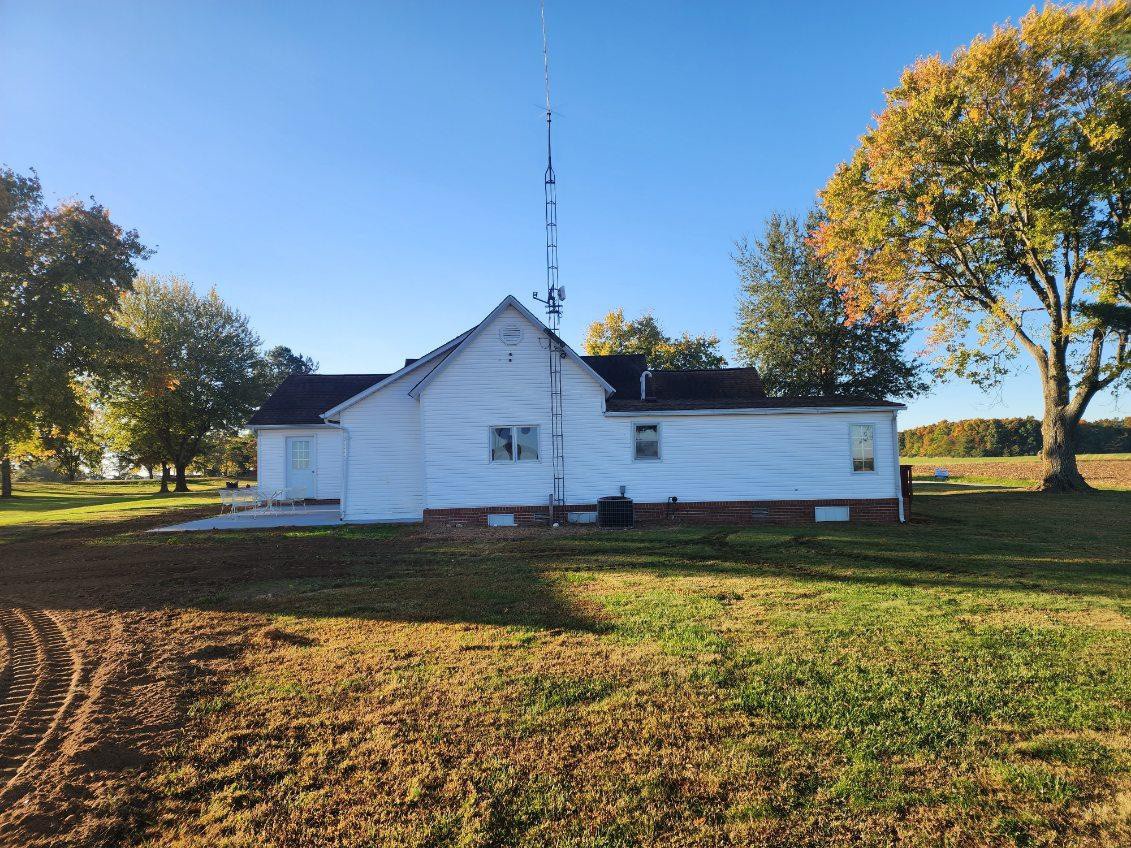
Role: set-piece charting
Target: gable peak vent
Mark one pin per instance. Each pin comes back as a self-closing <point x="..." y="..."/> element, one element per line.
<point x="510" y="335"/>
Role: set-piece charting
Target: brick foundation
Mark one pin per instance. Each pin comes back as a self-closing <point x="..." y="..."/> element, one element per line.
<point x="861" y="510"/>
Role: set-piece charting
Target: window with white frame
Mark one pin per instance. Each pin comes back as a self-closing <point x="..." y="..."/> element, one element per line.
<point x="863" y="447"/>
<point x="645" y="441"/>
<point x="517" y="443"/>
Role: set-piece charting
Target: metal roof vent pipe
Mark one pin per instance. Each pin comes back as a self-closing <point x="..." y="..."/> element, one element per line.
<point x="647" y="390"/>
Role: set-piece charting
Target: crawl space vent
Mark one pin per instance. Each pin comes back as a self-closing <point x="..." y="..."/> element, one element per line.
<point x="510" y="335"/>
<point x="830" y="513"/>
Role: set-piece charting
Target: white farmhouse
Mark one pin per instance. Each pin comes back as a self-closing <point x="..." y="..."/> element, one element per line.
<point x="463" y="433"/>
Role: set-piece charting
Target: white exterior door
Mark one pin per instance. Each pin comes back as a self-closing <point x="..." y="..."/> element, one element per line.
<point x="302" y="467"/>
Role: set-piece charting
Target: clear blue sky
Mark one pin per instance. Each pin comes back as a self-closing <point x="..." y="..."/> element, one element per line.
<point x="364" y="180"/>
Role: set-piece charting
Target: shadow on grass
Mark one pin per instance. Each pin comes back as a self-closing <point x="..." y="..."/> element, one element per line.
<point x="1012" y="541"/>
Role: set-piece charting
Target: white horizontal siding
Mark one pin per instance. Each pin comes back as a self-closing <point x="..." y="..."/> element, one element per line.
<point x="706" y="457"/>
<point x="488" y="383"/>
<point x="272" y="459"/>
<point x="730" y="457"/>
<point x="385" y="475"/>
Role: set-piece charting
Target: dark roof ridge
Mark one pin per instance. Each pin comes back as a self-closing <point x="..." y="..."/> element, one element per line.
<point x="351" y="373"/>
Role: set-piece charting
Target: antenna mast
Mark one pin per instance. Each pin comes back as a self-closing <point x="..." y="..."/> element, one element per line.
<point x="554" y="295"/>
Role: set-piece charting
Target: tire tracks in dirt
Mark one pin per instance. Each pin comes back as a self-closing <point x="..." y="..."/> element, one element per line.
<point x="39" y="690"/>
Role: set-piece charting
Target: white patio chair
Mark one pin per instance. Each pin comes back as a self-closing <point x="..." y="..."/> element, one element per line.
<point x="228" y="499"/>
<point x="248" y="500"/>
<point x="292" y="495"/>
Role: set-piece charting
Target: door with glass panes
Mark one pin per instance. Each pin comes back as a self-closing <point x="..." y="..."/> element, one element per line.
<point x="302" y="470"/>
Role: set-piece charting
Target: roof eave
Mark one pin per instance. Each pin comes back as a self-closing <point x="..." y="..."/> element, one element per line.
<point x="760" y="410"/>
<point x="396" y="375"/>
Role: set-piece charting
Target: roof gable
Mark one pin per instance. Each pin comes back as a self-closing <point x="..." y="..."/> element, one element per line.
<point x="510" y="301"/>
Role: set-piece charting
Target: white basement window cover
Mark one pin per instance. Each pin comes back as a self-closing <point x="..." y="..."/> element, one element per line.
<point x="830" y="513"/>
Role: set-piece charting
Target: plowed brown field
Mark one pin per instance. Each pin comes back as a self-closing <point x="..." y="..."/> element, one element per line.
<point x="1099" y="472"/>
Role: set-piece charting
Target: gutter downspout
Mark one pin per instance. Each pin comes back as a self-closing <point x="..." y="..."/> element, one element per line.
<point x="895" y="454"/>
<point x="346" y="473"/>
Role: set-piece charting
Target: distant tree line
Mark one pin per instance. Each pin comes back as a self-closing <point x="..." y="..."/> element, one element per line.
<point x="1009" y="437"/>
<point x="105" y="370"/>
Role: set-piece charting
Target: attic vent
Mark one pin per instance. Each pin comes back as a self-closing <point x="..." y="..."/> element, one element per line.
<point x="510" y="335"/>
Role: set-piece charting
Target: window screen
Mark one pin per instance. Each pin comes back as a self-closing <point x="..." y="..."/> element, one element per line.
<point x="646" y="441"/>
<point x="514" y="444"/>
<point x="502" y="444"/>
<point x="526" y="442"/>
<point x="863" y="447"/>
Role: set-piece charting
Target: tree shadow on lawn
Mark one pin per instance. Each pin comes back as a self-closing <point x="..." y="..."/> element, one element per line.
<point x="1014" y="542"/>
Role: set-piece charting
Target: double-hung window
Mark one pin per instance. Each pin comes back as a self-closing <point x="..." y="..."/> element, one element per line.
<point x="863" y="437"/>
<point x="514" y="444"/>
<point x="645" y="442"/>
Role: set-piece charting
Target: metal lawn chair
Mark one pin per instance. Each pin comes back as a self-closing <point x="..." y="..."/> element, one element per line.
<point x="293" y="495"/>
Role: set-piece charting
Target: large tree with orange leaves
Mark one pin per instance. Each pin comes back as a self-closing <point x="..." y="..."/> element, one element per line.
<point x="991" y="200"/>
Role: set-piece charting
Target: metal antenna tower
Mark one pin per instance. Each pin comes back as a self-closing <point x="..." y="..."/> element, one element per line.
<point x="555" y="294"/>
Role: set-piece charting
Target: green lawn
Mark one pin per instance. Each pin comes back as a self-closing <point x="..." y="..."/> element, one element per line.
<point x="963" y="680"/>
<point x="36" y="504"/>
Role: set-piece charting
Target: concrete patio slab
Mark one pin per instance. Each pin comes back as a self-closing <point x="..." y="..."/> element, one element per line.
<point x="320" y="515"/>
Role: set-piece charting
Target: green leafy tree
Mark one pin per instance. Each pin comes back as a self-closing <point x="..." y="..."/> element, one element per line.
<point x="280" y="362"/>
<point x="195" y="370"/>
<point x="992" y="198"/>
<point x="230" y="455"/>
<point x="133" y="444"/>
<point x="72" y="435"/>
<point x="1008" y="437"/>
<point x="793" y="327"/>
<point x="62" y="272"/>
<point x="613" y="334"/>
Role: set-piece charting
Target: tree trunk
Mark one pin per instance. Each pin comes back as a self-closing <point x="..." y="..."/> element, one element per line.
<point x="148" y="471"/>
<point x="1058" y="435"/>
<point x="5" y="476"/>
<point x="164" y="478"/>
<point x="182" y="483"/>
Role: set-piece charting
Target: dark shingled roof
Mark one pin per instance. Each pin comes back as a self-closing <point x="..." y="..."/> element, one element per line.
<point x="712" y="384"/>
<point x="620" y="370"/>
<point x="302" y="398"/>
<point x="711" y="388"/>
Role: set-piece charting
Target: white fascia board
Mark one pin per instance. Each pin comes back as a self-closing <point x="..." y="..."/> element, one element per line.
<point x="509" y="300"/>
<point x="791" y="410"/>
<point x="323" y="426"/>
<point x="396" y="375"/>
